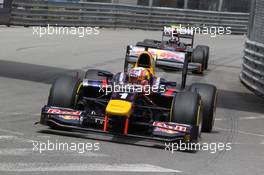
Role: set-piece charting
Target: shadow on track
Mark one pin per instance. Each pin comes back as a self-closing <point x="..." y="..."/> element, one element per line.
<point x="46" y="74"/>
<point x="240" y="101"/>
<point x="32" y="72"/>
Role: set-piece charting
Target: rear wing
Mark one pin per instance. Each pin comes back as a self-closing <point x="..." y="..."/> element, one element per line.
<point x="163" y="59"/>
<point x="174" y="56"/>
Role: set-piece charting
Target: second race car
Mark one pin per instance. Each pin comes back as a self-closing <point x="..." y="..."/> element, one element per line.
<point x="176" y="40"/>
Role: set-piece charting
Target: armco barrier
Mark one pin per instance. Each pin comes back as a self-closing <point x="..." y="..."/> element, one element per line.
<point x="252" y="74"/>
<point x="4" y="16"/>
<point x="41" y="12"/>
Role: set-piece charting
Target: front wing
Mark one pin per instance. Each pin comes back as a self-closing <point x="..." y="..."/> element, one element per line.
<point x="65" y="119"/>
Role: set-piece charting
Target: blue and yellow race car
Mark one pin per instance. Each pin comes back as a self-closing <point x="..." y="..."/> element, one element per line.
<point x="134" y="103"/>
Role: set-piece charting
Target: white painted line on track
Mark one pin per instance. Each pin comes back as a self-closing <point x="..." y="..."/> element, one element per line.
<point x="16" y="138"/>
<point x="242" y="118"/>
<point x="11" y="113"/>
<point x="251" y="118"/>
<point x="5" y="114"/>
<point x="12" y="132"/>
<point x="6" y="137"/>
<point x="242" y="132"/>
<point x="15" y="151"/>
<point x="27" y="151"/>
<point x="77" y="167"/>
<point x="250" y="133"/>
<point x="238" y="143"/>
<point x="31" y="152"/>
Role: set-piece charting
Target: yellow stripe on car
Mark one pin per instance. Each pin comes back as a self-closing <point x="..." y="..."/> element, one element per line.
<point x="119" y="107"/>
<point x="199" y="113"/>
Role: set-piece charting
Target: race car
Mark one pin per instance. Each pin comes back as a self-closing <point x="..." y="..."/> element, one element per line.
<point x="133" y="104"/>
<point x="177" y="40"/>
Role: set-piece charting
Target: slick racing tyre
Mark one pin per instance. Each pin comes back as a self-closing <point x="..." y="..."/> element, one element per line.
<point x="186" y="109"/>
<point x="208" y="94"/>
<point x="63" y="92"/>
<point x="198" y="56"/>
<point x="206" y="51"/>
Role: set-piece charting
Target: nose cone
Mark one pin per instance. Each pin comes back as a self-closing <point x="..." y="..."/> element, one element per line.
<point x="119" y="107"/>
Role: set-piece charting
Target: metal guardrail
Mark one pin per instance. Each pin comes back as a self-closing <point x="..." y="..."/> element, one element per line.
<point x="36" y="12"/>
<point x="4" y="14"/>
<point x="252" y="74"/>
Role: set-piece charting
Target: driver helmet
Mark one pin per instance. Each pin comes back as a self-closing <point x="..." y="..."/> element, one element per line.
<point x="139" y="75"/>
<point x="175" y="37"/>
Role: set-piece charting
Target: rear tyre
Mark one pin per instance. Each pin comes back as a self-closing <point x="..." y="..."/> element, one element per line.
<point x="208" y="94"/>
<point x="186" y="109"/>
<point x="199" y="57"/>
<point x="206" y="51"/>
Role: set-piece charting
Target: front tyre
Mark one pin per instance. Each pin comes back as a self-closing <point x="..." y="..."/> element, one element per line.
<point x="63" y="92"/>
<point x="186" y="109"/>
<point x="208" y="94"/>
